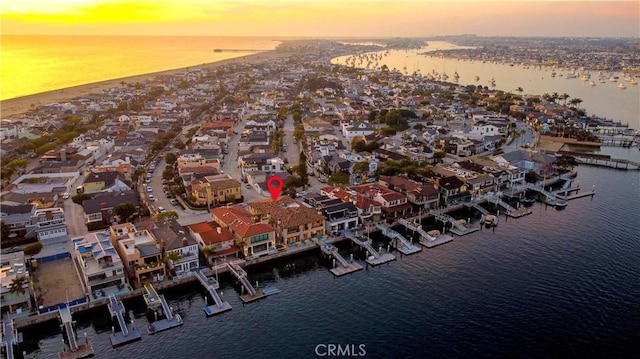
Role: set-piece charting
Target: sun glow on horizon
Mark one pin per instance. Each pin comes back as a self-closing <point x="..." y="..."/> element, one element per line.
<point x="321" y="17"/>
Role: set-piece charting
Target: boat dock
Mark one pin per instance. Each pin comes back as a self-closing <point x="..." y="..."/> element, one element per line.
<point x="10" y="337"/>
<point x="594" y="159"/>
<point x="458" y="227"/>
<point x="374" y="258"/>
<point x="403" y="245"/>
<point x="251" y="293"/>
<point x="157" y="303"/>
<point x="128" y="333"/>
<point x="345" y="266"/>
<point x="74" y="350"/>
<point x="212" y="285"/>
<point x="428" y="239"/>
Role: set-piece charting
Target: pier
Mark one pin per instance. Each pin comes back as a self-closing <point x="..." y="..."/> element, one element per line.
<point x="373" y="257"/>
<point x="212" y="285"/>
<point x="252" y="294"/>
<point x="10" y="337"/>
<point x="428" y="239"/>
<point x="155" y="303"/>
<point x="345" y="266"/>
<point x="75" y="350"/>
<point x="403" y="245"/>
<point x="128" y="333"/>
<point x="593" y="159"/>
<point x="460" y="228"/>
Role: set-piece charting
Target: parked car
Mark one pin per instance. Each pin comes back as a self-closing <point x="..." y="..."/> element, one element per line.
<point x="164" y="181"/>
<point x="65" y="195"/>
<point x="149" y="189"/>
<point x="174" y="202"/>
<point x="322" y="180"/>
<point x="152" y="198"/>
<point x="161" y="209"/>
<point x="248" y="185"/>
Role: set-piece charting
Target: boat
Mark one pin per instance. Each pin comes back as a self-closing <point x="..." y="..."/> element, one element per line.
<point x="633" y="81"/>
<point x="621" y="86"/>
<point x="217" y="50"/>
<point x="528" y="201"/>
<point x="561" y="204"/>
<point x="490" y="221"/>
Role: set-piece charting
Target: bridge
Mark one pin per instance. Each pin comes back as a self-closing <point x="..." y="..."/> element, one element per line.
<point x="345" y="266"/>
<point x="241" y="275"/>
<point x="373" y="257"/>
<point x="128" y="332"/>
<point x="75" y="350"/>
<point x="405" y="246"/>
<point x="212" y="285"/>
<point x="427" y="239"/>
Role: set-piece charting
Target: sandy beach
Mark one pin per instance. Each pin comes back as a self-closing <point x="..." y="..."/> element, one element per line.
<point x="20" y="105"/>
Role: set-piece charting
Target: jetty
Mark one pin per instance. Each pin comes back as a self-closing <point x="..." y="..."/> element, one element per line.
<point x="427" y="239"/>
<point x="75" y="350"/>
<point x="128" y="333"/>
<point x="458" y="227"/>
<point x="158" y="304"/>
<point x="374" y="258"/>
<point x="403" y="245"/>
<point x="10" y="337"/>
<point x="251" y="294"/>
<point x="212" y="285"/>
<point x="345" y="267"/>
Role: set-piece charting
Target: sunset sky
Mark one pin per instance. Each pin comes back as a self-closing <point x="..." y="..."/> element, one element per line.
<point x="337" y="18"/>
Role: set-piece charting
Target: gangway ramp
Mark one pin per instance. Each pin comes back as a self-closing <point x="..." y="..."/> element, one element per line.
<point x="374" y="258"/>
<point x="155" y="302"/>
<point x="480" y="209"/>
<point x="345" y="266"/>
<point x="128" y="333"/>
<point x="211" y="285"/>
<point x="241" y="275"/>
<point x="405" y="246"/>
<point x="75" y="350"/>
<point x="456" y="226"/>
<point x="428" y="239"/>
<point x="10" y="336"/>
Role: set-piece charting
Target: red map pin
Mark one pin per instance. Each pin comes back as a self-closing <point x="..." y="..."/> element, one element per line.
<point x="275" y="185"/>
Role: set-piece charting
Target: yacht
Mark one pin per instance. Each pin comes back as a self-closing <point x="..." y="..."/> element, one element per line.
<point x="633" y="81"/>
<point x="621" y="86"/>
<point x="591" y="83"/>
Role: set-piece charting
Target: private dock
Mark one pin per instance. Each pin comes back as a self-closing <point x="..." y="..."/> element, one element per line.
<point x="74" y="350"/>
<point x="374" y="258"/>
<point x="594" y="159"/>
<point x="212" y="285"/>
<point x="510" y="210"/>
<point x="251" y="293"/>
<point x="128" y="333"/>
<point x="10" y="337"/>
<point x="458" y="227"/>
<point x="403" y="245"/>
<point x="428" y="239"/>
<point x="345" y="267"/>
<point x="157" y="304"/>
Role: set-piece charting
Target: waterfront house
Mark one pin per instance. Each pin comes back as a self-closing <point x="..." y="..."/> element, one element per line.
<point x="180" y="249"/>
<point x="424" y="195"/>
<point x="140" y="253"/>
<point x="254" y="237"/>
<point x="215" y="241"/>
<point x="450" y="187"/>
<point x="541" y="163"/>
<point x="217" y="189"/>
<point x="15" y="295"/>
<point x="293" y="221"/>
<point x="392" y="203"/>
<point x="99" y="265"/>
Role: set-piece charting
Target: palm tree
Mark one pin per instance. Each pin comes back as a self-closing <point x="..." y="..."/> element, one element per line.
<point x="576" y="102"/>
<point x="564" y="98"/>
<point x="17" y="286"/>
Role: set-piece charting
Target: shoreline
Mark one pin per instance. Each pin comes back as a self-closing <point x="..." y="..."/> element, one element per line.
<point x="20" y="105"/>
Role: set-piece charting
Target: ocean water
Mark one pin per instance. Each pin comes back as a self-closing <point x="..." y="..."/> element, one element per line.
<point x="604" y="99"/>
<point x="34" y="64"/>
<point x="551" y="284"/>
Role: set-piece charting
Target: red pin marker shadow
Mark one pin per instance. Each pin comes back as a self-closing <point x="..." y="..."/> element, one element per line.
<point x="275" y="185"/>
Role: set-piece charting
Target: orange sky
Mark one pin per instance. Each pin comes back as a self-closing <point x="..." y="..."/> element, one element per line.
<point x="321" y="17"/>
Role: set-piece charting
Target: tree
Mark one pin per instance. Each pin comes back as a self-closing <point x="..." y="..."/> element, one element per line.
<point x="80" y="197"/>
<point x="170" y="158"/>
<point x="166" y="215"/>
<point x="18" y="284"/>
<point x="298" y="134"/>
<point x="361" y="168"/>
<point x="301" y="169"/>
<point x="4" y="231"/>
<point x="338" y="178"/>
<point x="179" y="145"/>
<point x="32" y="249"/>
<point x="124" y="211"/>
